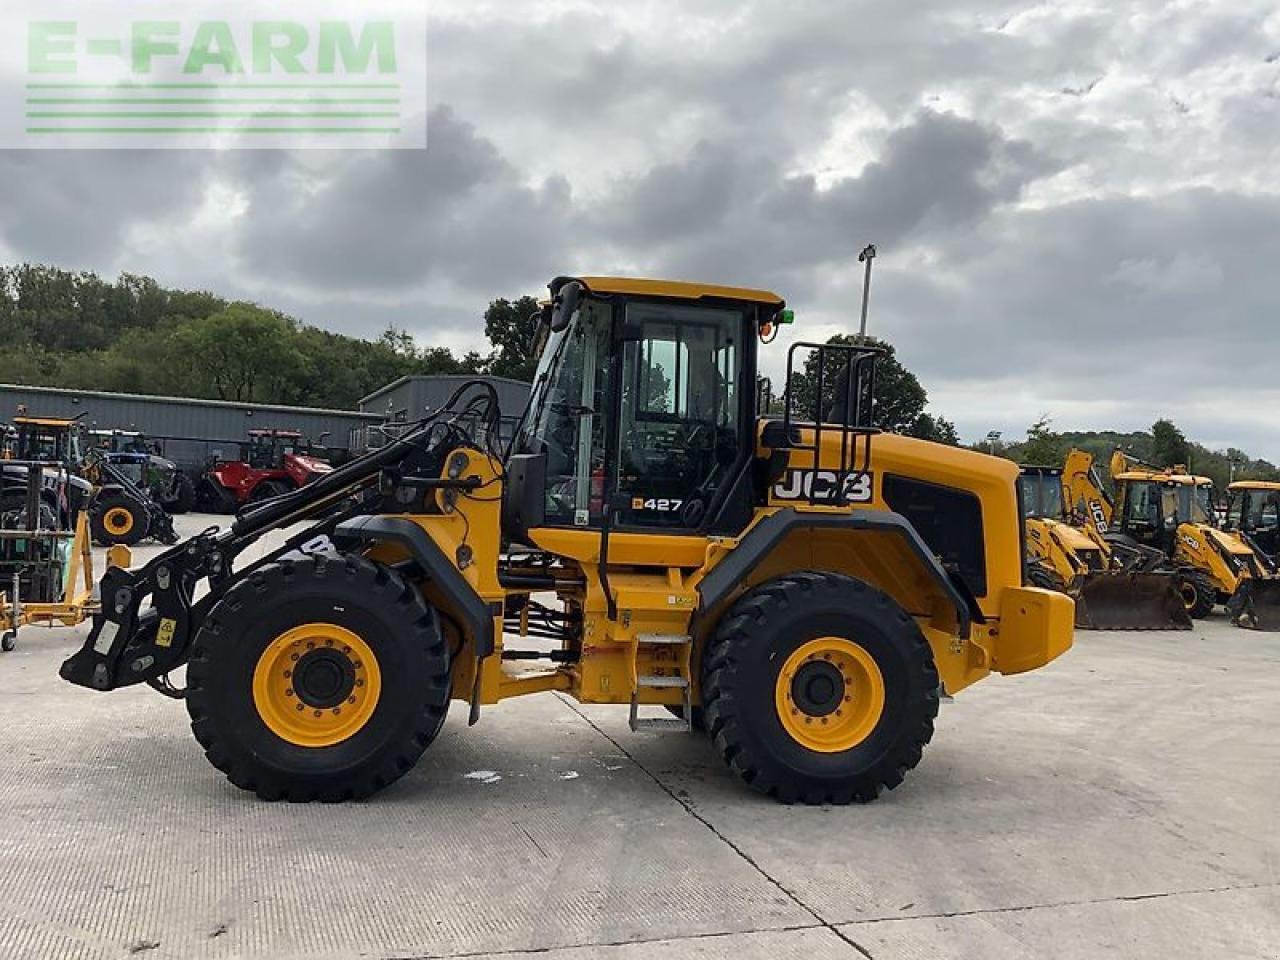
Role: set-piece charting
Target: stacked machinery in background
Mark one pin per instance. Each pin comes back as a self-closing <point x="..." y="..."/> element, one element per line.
<point x="1113" y="589"/>
<point x="1171" y="511"/>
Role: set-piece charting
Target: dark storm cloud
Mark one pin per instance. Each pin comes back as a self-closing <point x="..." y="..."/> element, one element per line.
<point x="75" y="208"/>
<point x="732" y="214"/>
<point x="381" y="221"/>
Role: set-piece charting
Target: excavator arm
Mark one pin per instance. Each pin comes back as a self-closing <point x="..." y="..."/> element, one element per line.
<point x="1084" y="490"/>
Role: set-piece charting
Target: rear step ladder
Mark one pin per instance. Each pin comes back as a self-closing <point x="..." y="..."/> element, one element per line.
<point x="662" y="682"/>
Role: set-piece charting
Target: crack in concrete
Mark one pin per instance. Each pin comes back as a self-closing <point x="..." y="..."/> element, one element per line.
<point x="542" y="951"/>
<point x="1022" y="908"/>
<point x="689" y="809"/>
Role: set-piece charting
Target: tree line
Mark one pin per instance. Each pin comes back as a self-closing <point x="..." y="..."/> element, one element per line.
<point x="1164" y="445"/>
<point x="74" y="329"/>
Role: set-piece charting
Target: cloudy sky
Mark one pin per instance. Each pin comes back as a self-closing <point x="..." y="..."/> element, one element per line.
<point x="1076" y="203"/>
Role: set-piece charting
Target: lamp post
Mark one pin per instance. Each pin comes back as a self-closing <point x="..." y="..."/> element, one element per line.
<point x="866" y="256"/>
<point x="992" y="439"/>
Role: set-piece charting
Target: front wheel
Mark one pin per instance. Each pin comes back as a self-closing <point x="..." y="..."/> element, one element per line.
<point x="118" y="518"/>
<point x="184" y="495"/>
<point x="818" y="688"/>
<point x="322" y="679"/>
<point x="1197" y="596"/>
<point x="269" y="490"/>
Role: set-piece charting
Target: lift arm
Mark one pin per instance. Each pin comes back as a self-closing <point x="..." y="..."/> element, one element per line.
<point x="129" y="644"/>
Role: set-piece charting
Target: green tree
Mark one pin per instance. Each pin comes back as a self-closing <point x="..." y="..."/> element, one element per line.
<point x="1043" y="446"/>
<point x="244" y="352"/>
<point x="1169" y="446"/>
<point x="899" y="402"/>
<point x="510" y="327"/>
<point x="937" y="429"/>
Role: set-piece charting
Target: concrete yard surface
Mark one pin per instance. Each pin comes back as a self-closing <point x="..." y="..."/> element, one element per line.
<point x="1120" y="803"/>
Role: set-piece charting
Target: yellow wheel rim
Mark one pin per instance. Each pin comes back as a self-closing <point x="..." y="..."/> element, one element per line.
<point x="316" y="685"/>
<point x="118" y="521"/>
<point x="829" y="695"/>
<point x="1189" y="595"/>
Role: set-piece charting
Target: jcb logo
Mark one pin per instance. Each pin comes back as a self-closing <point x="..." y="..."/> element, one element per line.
<point x="1099" y="517"/>
<point x="825" y="486"/>
<point x="1191" y="542"/>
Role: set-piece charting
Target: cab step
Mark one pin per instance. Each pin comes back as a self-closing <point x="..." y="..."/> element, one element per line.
<point x="664" y="639"/>
<point x="678" y="680"/>
<point x="681" y="724"/>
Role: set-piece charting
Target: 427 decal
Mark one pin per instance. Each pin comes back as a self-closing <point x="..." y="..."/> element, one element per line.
<point x="656" y="506"/>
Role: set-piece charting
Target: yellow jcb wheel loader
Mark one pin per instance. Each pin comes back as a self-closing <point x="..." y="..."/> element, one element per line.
<point x="1111" y="593"/>
<point x="1172" y="511"/>
<point x="804" y="586"/>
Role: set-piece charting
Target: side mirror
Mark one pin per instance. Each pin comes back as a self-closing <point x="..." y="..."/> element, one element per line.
<point x="565" y="305"/>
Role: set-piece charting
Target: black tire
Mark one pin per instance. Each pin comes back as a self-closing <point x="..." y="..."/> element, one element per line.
<point x="103" y="524"/>
<point x="8" y="641"/>
<point x="184" y="496"/>
<point x="1198" y="597"/>
<point x="387" y="614"/>
<point x="216" y="497"/>
<point x="14" y="505"/>
<point x="746" y="657"/>
<point x="268" y="489"/>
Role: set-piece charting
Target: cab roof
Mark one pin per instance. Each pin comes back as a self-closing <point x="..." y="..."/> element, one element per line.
<point x="1032" y="470"/>
<point x="43" y="422"/>
<point x="1159" y="476"/>
<point x="1254" y="485"/>
<point x="675" y="289"/>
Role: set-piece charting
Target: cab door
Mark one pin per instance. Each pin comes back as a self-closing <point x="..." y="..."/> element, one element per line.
<point x="682" y="437"/>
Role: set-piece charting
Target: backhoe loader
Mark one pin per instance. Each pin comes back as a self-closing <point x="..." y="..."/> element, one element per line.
<point x="808" y="585"/>
<point x="1112" y="591"/>
<point x="1170" y="510"/>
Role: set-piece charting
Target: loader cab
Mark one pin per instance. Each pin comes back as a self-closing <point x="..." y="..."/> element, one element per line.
<point x="47" y="440"/>
<point x="1254" y="509"/>
<point x="267" y="449"/>
<point x="1040" y="493"/>
<point x="1152" y="506"/>
<point x="644" y="395"/>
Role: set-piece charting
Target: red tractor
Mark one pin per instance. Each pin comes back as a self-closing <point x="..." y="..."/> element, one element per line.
<point x="273" y="462"/>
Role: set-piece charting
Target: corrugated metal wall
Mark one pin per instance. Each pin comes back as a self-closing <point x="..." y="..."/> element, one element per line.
<point x="220" y="425"/>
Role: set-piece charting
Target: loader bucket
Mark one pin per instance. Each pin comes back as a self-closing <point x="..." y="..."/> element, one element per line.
<point x="1130" y="601"/>
<point x="1257" y="604"/>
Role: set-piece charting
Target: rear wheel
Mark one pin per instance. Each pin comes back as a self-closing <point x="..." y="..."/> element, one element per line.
<point x="818" y="688"/>
<point x="323" y="679"/>
<point x="118" y="518"/>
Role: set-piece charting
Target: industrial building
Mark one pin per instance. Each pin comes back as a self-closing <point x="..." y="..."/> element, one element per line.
<point x="189" y="431"/>
<point x="192" y="431"/>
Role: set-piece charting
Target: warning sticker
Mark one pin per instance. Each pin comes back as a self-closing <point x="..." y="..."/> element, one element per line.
<point x="164" y="636"/>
